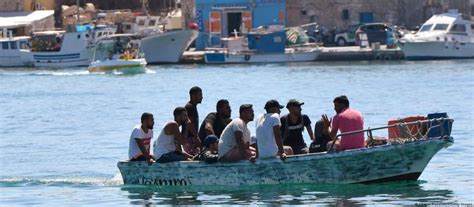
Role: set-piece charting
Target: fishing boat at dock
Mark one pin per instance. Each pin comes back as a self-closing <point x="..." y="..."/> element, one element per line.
<point x="402" y="158"/>
<point x="264" y="46"/>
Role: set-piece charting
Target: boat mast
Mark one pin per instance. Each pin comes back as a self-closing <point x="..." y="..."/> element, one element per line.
<point x="77" y="12"/>
<point x="145" y="7"/>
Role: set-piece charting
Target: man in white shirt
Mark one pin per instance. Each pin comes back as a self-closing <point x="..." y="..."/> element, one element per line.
<point x="234" y="144"/>
<point x="168" y="146"/>
<point x="269" y="141"/>
<point x="139" y="147"/>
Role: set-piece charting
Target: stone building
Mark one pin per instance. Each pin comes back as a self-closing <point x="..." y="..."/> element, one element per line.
<point x="342" y="13"/>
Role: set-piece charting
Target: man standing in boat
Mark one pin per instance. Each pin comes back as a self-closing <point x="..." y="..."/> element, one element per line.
<point x="293" y="125"/>
<point x="215" y="122"/>
<point x="269" y="141"/>
<point x="167" y="147"/>
<point x="139" y="147"/>
<point x="346" y="120"/>
<point x="193" y="143"/>
<point x="234" y="144"/>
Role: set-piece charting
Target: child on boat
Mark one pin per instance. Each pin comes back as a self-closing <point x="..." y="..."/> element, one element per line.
<point x="209" y="152"/>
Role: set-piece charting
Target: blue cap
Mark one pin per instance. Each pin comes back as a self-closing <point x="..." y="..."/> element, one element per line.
<point x="210" y="140"/>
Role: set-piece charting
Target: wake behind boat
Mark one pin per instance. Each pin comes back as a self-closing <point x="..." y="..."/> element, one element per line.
<point x="403" y="158"/>
<point x="118" y="53"/>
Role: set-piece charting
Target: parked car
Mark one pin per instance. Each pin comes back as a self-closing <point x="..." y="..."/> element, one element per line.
<point x="347" y="37"/>
<point x="376" y="32"/>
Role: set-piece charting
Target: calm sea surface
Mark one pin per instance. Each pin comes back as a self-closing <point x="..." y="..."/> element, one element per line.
<point x="63" y="131"/>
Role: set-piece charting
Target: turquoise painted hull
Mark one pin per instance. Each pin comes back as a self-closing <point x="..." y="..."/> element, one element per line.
<point x="377" y="164"/>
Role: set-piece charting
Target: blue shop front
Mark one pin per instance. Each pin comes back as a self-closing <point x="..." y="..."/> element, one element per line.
<point x="218" y="19"/>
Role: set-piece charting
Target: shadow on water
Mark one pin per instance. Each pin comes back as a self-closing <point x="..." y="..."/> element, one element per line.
<point x="397" y="193"/>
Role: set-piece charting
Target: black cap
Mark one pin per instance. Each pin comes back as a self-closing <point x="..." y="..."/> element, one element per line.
<point x="210" y="140"/>
<point x="294" y="102"/>
<point x="244" y="107"/>
<point x="272" y="103"/>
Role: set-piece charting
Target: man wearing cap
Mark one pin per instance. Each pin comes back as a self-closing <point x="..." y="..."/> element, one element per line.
<point x="269" y="141"/>
<point x="293" y="125"/>
<point x="215" y="122"/>
<point x="209" y="152"/>
<point x="234" y="144"/>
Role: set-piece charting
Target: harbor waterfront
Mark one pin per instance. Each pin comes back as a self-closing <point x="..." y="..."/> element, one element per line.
<point x="62" y="131"/>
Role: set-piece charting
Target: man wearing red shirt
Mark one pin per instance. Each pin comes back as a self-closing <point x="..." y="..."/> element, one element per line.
<point x="346" y="120"/>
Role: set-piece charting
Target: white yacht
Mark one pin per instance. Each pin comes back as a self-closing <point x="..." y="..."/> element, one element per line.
<point x="161" y="41"/>
<point x="10" y="49"/>
<point x="443" y="36"/>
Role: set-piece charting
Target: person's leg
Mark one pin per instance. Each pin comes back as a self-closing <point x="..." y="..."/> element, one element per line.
<point x="190" y="146"/>
<point x="139" y="158"/>
<point x="288" y="150"/>
<point x="171" y="157"/>
<point x="336" y="146"/>
<point x="233" y="155"/>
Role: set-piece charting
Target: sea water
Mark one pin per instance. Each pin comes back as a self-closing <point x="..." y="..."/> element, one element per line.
<point x="62" y="131"/>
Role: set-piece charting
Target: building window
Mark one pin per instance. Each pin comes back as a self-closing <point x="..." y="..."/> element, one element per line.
<point x="13" y="45"/>
<point x="345" y="14"/>
<point x="366" y="17"/>
<point x="5" y="45"/>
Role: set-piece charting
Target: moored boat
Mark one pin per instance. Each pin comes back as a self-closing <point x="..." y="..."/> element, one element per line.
<point x="399" y="160"/>
<point x="10" y="50"/>
<point x="443" y="36"/>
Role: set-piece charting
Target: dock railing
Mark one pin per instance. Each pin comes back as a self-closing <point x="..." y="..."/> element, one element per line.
<point x="431" y="124"/>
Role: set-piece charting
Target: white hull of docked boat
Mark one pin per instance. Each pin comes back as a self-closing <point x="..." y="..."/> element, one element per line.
<point x="167" y="47"/>
<point x="437" y="50"/>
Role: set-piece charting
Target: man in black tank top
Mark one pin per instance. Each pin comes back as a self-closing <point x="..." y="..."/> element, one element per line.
<point x="193" y="143"/>
<point x="293" y="125"/>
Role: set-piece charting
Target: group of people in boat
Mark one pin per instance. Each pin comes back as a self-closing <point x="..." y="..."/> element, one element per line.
<point x="220" y="138"/>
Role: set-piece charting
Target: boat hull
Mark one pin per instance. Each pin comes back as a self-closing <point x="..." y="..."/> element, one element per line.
<point x="13" y="60"/>
<point x="126" y="66"/>
<point x="377" y="164"/>
<point x="221" y="57"/>
<point x="167" y="47"/>
<point x="437" y="50"/>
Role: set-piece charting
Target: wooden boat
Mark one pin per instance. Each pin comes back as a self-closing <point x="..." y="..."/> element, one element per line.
<point x="390" y="162"/>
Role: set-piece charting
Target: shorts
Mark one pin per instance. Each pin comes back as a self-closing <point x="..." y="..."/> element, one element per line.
<point x="171" y="157"/>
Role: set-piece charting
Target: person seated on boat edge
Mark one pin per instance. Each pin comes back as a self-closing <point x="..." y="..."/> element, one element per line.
<point x="234" y="144"/>
<point x="269" y="141"/>
<point x="209" y="152"/>
<point x="168" y="146"/>
<point x="321" y="138"/>
<point x="215" y="122"/>
<point x="345" y="120"/>
<point x="139" y="147"/>
<point x="190" y="129"/>
<point x="293" y="125"/>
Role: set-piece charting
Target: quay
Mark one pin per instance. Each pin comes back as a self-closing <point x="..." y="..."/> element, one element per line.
<point x="349" y="53"/>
